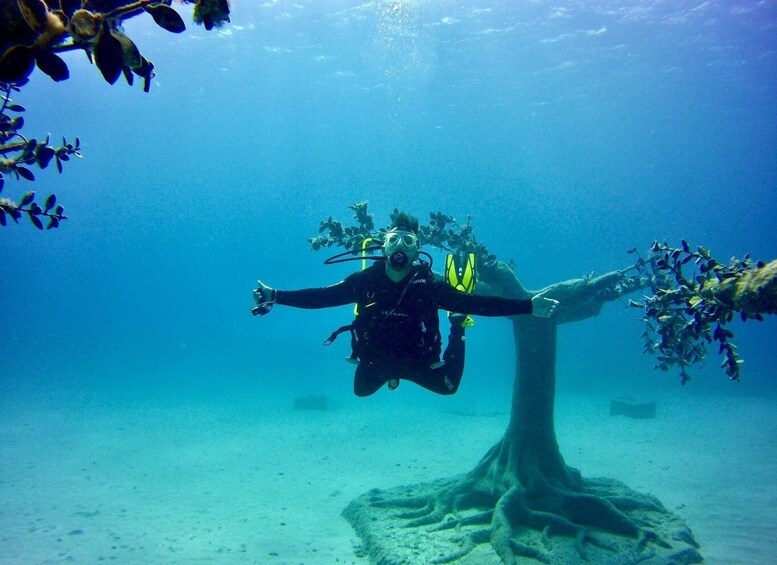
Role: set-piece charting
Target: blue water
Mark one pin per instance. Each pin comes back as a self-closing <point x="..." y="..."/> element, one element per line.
<point x="570" y="131"/>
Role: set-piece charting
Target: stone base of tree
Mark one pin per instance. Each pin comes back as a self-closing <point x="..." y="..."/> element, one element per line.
<point x="455" y="521"/>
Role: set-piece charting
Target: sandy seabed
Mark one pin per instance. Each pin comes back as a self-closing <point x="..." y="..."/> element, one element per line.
<point x="252" y="480"/>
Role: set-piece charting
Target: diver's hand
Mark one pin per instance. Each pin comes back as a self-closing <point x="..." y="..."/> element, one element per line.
<point x="543" y="307"/>
<point x="264" y="296"/>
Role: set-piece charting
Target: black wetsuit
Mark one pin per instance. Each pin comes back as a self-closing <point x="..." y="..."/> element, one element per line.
<point x="396" y="333"/>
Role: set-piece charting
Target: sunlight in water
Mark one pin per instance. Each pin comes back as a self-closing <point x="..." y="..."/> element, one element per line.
<point x="405" y="49"/>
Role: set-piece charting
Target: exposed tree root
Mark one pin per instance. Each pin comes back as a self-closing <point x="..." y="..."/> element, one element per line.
<point x="443" y="522"/>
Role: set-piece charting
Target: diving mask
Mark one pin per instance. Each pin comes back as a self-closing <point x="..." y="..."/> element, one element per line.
<point x="401" y="248"/>
<point x="408" y="239"/>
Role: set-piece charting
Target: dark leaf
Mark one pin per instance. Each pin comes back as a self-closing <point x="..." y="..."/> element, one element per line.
<point x="166" y="17"/>
<point x="53" y="223"/>
<point x="146" y="72"/>
<point x="2" y="182"/>
<point x="147" y="79"/>
<point x="27" y="198"/>
<point x="59" y="166"/>
<point x="52" y="65"/>
<point x="16" y="64"/>
<point x="44" y="156"/>
<point x="34" y="13"/>
<point x="686" y="247"/>
<point x="17" y="123"/>
<point x="36" y="222"/>
<point x="26" y="173"/>
<point x="51" y="201"/>
<point x="15" y="108"/>
<point x="35" y="210"/>
<point x="15" y="214"/>
<point x="2" y="217"/>
<point x="128" y="76"/>
<point x="129" y="51"/>
<point x="108" y="56"/>
<point x="58" y="210"/>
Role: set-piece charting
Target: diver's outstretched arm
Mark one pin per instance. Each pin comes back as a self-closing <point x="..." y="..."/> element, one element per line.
<point x="326" y="297"/>
<point x="454" y="300"/>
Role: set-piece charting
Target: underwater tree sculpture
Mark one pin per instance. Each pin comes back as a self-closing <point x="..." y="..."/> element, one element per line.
<point x="522" y="500"/>
<point x="32" y="33"/>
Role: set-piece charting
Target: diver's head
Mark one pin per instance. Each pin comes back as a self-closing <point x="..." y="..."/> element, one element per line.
<point x="400" y="245"/>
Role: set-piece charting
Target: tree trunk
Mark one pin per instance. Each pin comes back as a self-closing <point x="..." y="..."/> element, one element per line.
<point x="522" y="502"/>
<point x="531" y="433"/>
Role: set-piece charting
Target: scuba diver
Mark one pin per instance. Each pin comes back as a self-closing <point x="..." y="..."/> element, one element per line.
<point x="395" y="334"/>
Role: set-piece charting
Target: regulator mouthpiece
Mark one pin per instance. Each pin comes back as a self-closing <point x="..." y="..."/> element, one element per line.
<point x="398" y="259"/>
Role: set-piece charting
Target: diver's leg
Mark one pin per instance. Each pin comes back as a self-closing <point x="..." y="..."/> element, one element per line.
<point x="369" y="377"/>
<point x="453" y="369"/>
<point x="444" y="379"/>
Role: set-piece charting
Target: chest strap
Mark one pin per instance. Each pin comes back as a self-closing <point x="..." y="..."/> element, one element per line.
<point x="331" y="339"/>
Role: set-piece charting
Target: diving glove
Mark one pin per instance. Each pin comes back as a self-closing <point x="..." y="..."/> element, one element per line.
<point x="264" y="296"/>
